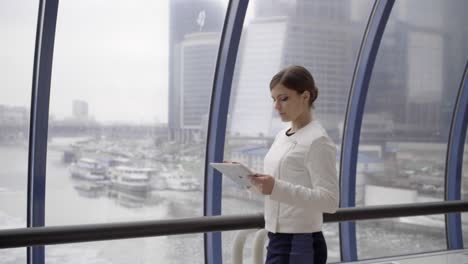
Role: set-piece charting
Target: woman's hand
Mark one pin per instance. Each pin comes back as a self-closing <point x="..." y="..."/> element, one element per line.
<point x="263" y="182"/>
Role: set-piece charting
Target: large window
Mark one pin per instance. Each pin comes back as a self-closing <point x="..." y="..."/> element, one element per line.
<point x="131" y="86"/>
<point x="130" y="93"/>
<point x="406" y="124"/>
<point x="18" y="21"/>
<point x="323" y="36"/>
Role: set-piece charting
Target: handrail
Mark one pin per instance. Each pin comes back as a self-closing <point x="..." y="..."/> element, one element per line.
<point x="398" y="210"/>
<point x="23" y="237"/>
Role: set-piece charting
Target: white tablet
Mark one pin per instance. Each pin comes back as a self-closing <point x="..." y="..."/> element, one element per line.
<point x="237" y="172"/>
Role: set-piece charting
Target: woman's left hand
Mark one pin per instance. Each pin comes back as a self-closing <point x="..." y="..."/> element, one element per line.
<point x="263" y="182"/>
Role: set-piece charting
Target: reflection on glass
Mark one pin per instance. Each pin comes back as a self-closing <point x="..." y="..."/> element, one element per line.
<point x="406" y="123"/>
<point x="323" y="36"/>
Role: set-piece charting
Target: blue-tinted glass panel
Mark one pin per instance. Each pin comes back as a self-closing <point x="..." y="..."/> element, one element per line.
<point x="406" y="124"/>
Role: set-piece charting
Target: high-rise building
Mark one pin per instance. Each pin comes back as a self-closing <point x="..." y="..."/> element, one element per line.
<point x="319" y="37"/>
<point x="413" y="79"/>
<point x="315" y="34"/>
<point x="187" y="17"/>
<point x="197" y="61"/>
<point x="252" y="110"/>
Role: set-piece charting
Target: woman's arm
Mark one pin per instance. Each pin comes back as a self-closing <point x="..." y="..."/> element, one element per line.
<point x="321" y="165"/>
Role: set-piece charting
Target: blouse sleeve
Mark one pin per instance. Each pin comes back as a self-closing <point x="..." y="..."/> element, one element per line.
<point x="324" y="193"/>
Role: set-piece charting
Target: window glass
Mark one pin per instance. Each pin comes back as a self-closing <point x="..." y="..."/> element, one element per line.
<point x="18" y="22"/>
<point x="406" y="123"/>
<point x="323" y="36"/>
<point x="130" y="95"/>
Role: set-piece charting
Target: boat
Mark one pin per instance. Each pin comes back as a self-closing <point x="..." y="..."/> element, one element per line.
<point x="179" y="180"/>
<point x="128" y="199"/>
<point x="89" y="189"/>
<point x="88" y="169"/>
<point x="131" y="178"/>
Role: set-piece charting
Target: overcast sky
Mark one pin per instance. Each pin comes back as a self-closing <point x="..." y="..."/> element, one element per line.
<point x="112" y="54"/>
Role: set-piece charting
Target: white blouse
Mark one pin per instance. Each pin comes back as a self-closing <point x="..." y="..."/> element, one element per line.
<point x="306" y="181"/>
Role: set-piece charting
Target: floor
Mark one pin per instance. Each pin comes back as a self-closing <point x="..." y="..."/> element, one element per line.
<point x="445" y="257"/>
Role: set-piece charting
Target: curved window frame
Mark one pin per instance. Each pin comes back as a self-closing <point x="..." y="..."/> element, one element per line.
<point x="219" y="107"/>
<point x="353" y="120"/>
<point x="454" y="163"/>
<point x="42" y="72"/>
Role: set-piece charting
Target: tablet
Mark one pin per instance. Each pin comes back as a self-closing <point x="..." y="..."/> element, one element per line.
<point x="237" y="172"/>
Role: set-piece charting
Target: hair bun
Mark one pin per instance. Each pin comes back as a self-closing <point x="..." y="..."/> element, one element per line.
<point x="313" y="94"/>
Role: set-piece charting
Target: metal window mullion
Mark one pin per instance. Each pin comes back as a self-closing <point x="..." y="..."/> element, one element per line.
<point x="454" y="164"/>
<point x="47" y="18"/>
<point x="354" y="113"/>
<point x="219" y="106"/>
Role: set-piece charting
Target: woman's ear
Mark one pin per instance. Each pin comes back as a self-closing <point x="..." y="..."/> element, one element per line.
<point x="306" y="95"/>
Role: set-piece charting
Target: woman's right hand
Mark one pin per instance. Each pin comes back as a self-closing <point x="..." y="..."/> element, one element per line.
<point x="263" y="182"/>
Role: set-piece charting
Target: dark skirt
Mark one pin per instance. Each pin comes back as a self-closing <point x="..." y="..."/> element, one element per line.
<point x="309" y="248"/>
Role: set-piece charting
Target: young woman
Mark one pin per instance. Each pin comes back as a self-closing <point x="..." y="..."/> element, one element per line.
<point x="300" y="181"/>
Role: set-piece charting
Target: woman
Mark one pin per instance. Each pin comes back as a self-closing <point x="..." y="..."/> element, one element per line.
<point x="300" y="181"/>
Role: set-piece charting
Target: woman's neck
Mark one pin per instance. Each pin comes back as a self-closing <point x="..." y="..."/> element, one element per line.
<point x="301" y="122"/>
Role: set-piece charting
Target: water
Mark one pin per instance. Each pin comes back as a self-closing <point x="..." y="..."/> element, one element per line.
<point x="71" y="202"/>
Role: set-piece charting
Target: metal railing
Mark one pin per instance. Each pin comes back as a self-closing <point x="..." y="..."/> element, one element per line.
<point x="25" y="237"/>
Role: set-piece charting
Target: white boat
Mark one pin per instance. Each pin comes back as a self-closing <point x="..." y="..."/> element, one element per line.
<point x="128" y="199"/>
<point x="88" y="169"/>
<point x="180" y="181"/>
<point x="89" y="189"/>
<point x="131" y="178"/>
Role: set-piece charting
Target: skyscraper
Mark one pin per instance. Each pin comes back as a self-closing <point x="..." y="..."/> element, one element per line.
<point x="315" y="34"/>
<point x="197" y="61"/>
<point x="258" y="61"/>
<point x="415" y="74"/>
<point x="187" y="17"/>
<point x="319" y="37"/>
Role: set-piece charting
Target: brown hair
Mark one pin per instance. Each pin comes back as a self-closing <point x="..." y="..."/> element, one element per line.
<point x="296" y="78"/>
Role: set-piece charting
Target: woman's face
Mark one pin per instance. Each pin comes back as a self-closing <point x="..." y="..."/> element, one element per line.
<point x="289" y="103"/>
